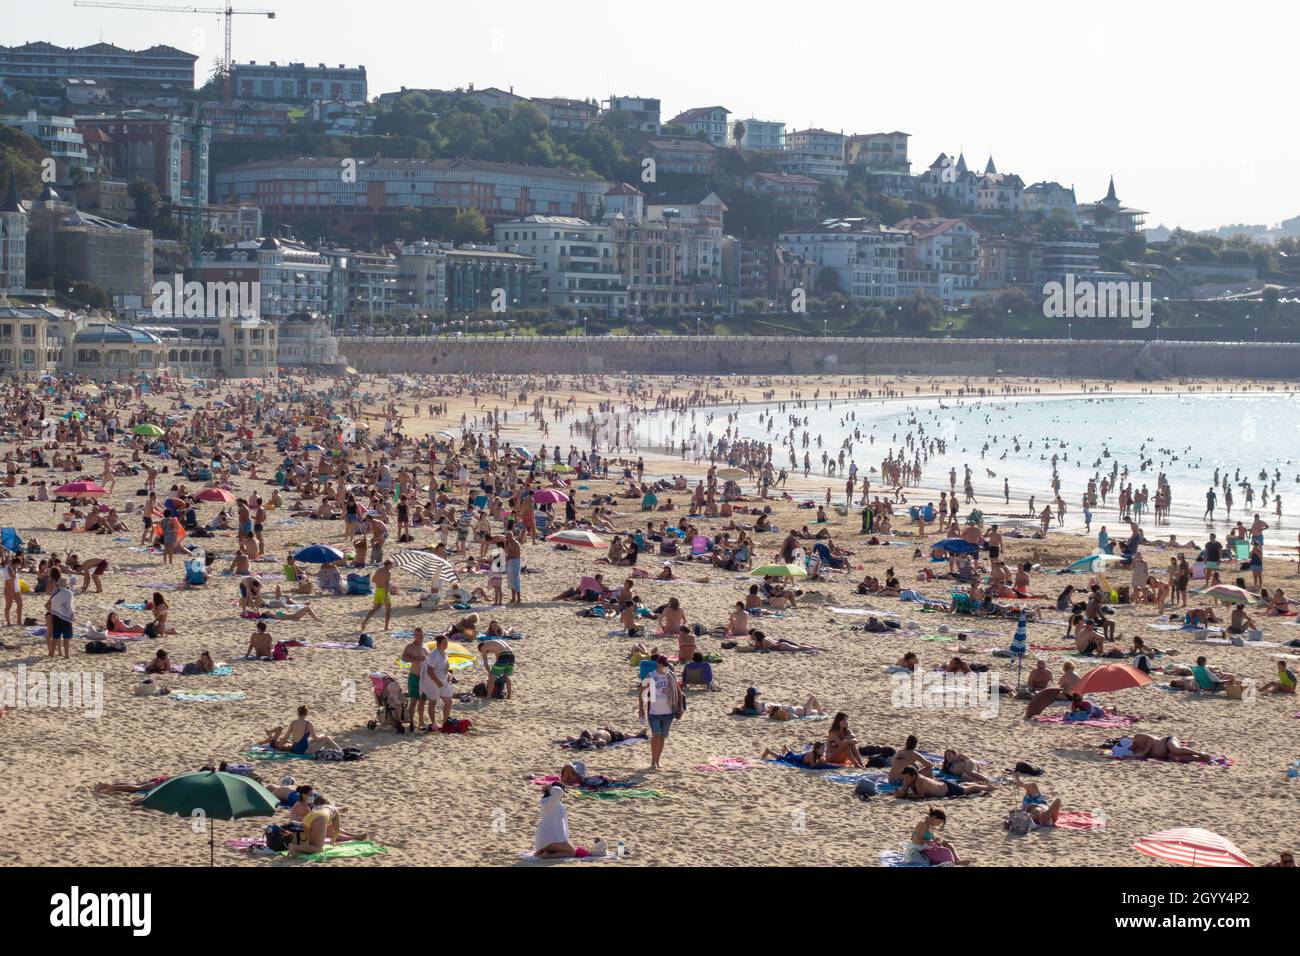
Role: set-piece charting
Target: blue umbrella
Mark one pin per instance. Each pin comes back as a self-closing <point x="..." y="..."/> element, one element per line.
<point x="957" y="546"/>
<point x="319" y="554"/>
<point x="1020" y="644"/>
<point x="313" y="447"/>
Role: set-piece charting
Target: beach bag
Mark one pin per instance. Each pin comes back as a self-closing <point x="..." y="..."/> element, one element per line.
<point x="359" y="584"/>
<point x="864" y="789"/>
<point x="195" y="573"/>
<point x="454" y="726"/>
<point x="280" y="838"/>
<point x="280" y="652"/>
<point x="354" y="753"/>
<point x="105" y="647"/>
<point x="938" y="855"/>
<point x="330" y="755"/>
<point x="1018" y="822"/>
<point x="365" y="640"/>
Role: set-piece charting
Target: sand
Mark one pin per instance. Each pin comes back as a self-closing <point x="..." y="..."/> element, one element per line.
<point x="450" y="799"/>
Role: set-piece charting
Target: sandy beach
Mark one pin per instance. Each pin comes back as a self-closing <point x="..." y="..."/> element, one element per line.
<point x="437" y="799"/>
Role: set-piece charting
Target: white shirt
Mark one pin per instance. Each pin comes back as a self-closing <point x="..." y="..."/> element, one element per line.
<point x="660" y="686"/>
<point x="437" y="666"/>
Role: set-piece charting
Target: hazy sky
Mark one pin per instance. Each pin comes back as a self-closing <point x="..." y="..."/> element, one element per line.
<point x="1191" y="105"/>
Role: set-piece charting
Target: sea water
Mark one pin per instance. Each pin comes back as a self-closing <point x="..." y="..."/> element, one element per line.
<point x="1186" y="436"/>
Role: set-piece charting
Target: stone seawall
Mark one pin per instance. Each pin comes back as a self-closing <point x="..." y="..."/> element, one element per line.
<point x="719" y="355"/>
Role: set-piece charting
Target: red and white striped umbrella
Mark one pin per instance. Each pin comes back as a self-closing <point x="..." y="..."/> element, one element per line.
<point x="1192" y="846"/>
<point x="577" y="538"/>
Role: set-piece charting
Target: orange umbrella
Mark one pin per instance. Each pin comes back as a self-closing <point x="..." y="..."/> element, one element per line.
<point x="1110" y="677"/>
<point x="1192" y="846"/>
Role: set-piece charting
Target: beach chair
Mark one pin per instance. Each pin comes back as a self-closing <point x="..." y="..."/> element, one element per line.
<point x="10" y="541"/>
<point x="543" y="522"/>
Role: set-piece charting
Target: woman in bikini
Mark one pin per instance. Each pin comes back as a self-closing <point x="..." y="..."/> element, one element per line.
<point x="841" y="745"/>
<point x="927" y="843"/>
<point x="959" y="765"/>
<point x="1164" y="748"/>
<point x="908" y="757"/>
<point x="299" y="738"/>
<point x="115" y="625"/>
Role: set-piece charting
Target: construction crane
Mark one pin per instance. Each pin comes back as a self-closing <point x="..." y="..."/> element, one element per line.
<point x="228" y="11"/>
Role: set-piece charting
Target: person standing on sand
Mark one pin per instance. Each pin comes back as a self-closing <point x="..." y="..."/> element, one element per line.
<point x="416" y="654"/>
<point x="436" y="683"/>
<point x="60" y="613"/>
<point x="514" y="564"/>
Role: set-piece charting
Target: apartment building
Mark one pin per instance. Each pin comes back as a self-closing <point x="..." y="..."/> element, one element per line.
<point x="713" y="121"/>
<point x="700" y="217"/>
<point x="800" y="196"/>
<point x="60" y="138"/>
<point x="817" y="153"/>
<point x="497" y="190"/>
<point x="1045" y="197"/>
<point x="692" y="157"/>
<point x="577" y="259"/>
<point x="13" y="240"/>
<point x="158" y="68"/>
<point x="168" y="151"/>
<point x="643" y="112"/>
<point x="884" y="158"/>
<point x="566" y="114"/>
<point x="757" y="134"/>
<point x="247" y="121"/>
<point x="997" y="192"/>
<point x="297" y="82"/>
<point x="943" y="259"/>
<point x="866" y="257"/>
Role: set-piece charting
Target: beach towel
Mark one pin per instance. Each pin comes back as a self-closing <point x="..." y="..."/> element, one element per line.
<point x="263" y="752"/>
<point x="1110" y="721"/>
<point x="1078" y="820"/>
<point x="339" y="646"/>
<point x="623" y="793"/>
<point x="211" y="698"/>
<point x="725" y="763"/>
<point x="339" y="851"/>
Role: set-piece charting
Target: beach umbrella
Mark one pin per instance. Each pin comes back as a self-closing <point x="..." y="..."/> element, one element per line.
<point x="318" y="554"/>
<point x="523" y="452"/>
<point x="577" y="538"/>
<point x="733" y="473"/>
<point x="77" y="414"/>
<point x="1093" y="561"/>
<point x="1192" y="846"/>
<point x="1020" y="644"/>
<point x="81" y="489"/>
<point x="780" y="571"/>
<point x="1110" y="677"/>
<point x="148" y="430"/>
<point x="215" y="795"/>
<point x="956" y="546"/>
<point x="1230" y="593"/>
<point x="220" y="495"/>
<point x="312" y="447"/>
<point x="426" y="564"/>
<point x="1042" y="700"/>
<point x="563" y="469"/>
<point x="549" y="496"/>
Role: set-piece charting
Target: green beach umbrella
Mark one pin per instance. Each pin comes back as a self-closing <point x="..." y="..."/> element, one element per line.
<point x="779" y="571"/>
<point x="218" y="796"/>
<point x="149" y="431"/>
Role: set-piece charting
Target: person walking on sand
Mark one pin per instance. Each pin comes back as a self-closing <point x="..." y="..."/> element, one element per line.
<point x="13" y="588"/>
<point x="658" y="700"/>
<point x="60" y="613"/>
<point x="383" y="598"/>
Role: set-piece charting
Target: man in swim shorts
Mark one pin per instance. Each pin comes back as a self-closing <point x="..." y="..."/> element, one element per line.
<point x="382" y="581"/>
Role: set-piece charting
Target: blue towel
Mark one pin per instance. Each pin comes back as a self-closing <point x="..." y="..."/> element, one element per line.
<point x="894" y="858"/>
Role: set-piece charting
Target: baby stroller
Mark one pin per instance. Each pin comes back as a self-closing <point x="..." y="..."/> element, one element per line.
<point x="390" y="703"/>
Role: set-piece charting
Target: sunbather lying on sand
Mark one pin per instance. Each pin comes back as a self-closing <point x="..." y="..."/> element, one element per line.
<point x="918" y="787"/>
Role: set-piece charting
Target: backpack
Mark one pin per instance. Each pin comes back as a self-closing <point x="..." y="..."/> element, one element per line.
<point x="280" y="652"/>
<point x="354" y="753"/>
<point x="1018" y="822"/>
<point x="280" y="838"/>
<point x="105" y="647"/>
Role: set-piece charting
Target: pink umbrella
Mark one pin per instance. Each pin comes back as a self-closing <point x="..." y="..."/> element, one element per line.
<point x="1192" y="846"/>
<point x="1230" y="593"/>
<point x="81" y="489"/>
<point x="216" y="494"/>
<point x="549" y="496"/>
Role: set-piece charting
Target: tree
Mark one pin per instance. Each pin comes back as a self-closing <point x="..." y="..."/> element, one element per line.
<point x="148" y="203"/>
<point x="738" y="132"/>
<point x="828" y="282"/>
<point x="468" y="225"/>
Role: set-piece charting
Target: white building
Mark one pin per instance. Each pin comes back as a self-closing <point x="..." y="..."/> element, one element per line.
<point x="865" y="257"/>
<point x="700" y="218"/>
<point x="643" y="112"/>
<point x="713" y="121"/>
<point x="577" y="261"/>
<point x="1045" y="197"/>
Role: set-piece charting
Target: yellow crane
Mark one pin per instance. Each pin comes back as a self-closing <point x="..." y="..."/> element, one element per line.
<point x="228" y="11"/>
